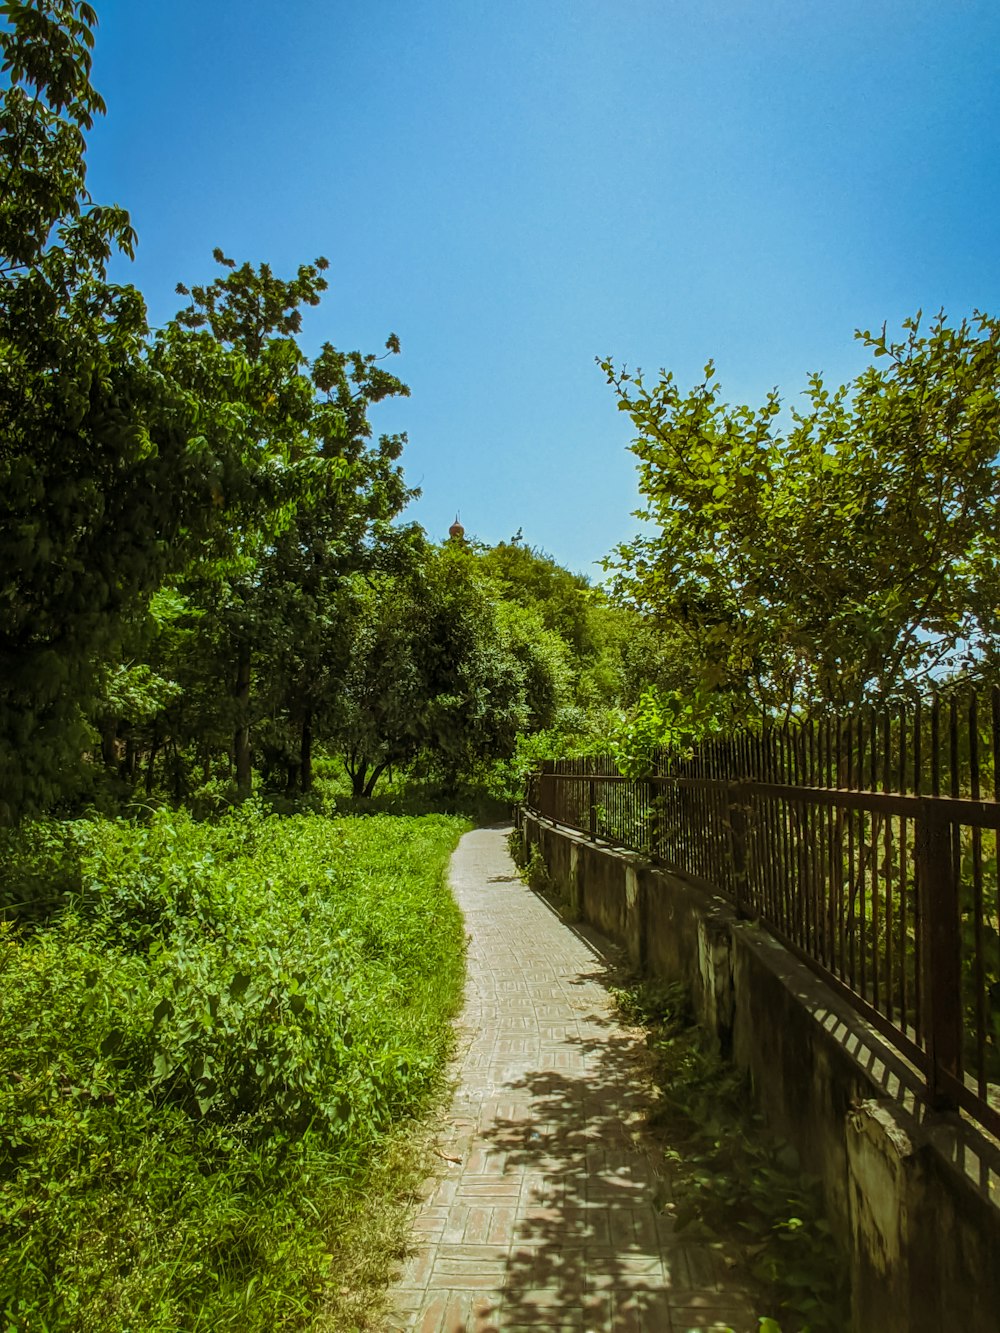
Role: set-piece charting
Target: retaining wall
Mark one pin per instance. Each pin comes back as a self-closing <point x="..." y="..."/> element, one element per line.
<point x="911" y="1194"/>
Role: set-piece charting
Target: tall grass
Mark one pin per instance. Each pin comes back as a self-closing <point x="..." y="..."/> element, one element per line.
<point x="209" y="1036"/>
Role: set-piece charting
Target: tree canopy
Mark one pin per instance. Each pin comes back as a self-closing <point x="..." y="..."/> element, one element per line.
<point x="105" y="483"/>
<point x="812" y="557"/>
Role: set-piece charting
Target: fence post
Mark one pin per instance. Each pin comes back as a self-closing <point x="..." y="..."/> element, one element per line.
<point x="736" y="813"/>
<point x="941" y="950"/>
<point x="592" y="798"/>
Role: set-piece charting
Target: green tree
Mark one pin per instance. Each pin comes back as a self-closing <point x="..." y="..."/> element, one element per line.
<point x="104" y="484"/>
<point x="442" y="675"/>
<point x="564" y="601"/>
<point x="323" y="499"/>
<point x="819" y="556"/>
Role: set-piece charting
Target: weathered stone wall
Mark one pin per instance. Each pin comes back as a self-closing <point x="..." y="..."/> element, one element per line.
<point x="907" y="1190"/>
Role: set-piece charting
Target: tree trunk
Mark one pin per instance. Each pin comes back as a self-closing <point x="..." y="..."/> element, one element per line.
<point x="153" y="747"/>
<point x="241" y="737"/>
<point x="109" y="741"/>
<point x="305" y="753"/>
<point x="377" y="772"/>
<point x="357" y="774"/>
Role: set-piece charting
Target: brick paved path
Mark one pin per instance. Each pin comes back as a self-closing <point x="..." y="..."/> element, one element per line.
<point x="552" y="1215"/>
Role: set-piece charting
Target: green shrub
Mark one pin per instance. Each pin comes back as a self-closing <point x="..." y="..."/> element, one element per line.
<point x="517" y="848"/>
<point x="205" y="1040"/>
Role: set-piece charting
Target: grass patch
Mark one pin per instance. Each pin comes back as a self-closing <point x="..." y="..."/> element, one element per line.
<point x="211" y="1038"/>
<point x="732" y="1180"/>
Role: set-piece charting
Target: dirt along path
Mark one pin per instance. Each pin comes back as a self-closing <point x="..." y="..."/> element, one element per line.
<point x="549" y="1209"/>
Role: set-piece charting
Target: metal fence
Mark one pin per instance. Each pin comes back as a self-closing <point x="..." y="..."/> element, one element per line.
<point x="867" y="844"/>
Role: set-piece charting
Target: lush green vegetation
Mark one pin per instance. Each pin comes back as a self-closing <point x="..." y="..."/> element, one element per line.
<point x="814" y="557"/>
<point x="209" y="1035"/>
<point x="206" y="582"/>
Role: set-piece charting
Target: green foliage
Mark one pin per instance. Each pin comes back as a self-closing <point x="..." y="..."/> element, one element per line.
<point x="211" y="468"/>
<point x="270" y="617"/>
<point x="440" y="677"/>
<point x="535" y="872"/>
<point x="202" y="572"/>
<point x="203" y="1050"/>
<point x="573" y="624"/>
<point x="531" y="866"/>
<point x="662" y="721"/>
<point x="516" y="848"/>
<point x="731" y="1179"/>
<point x="848" y="552"/>
<point x="107" y="482"/>
<point x="563" y="601"/>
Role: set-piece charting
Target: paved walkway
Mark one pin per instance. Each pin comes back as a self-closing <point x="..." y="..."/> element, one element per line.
<point x="551" y="1213"/>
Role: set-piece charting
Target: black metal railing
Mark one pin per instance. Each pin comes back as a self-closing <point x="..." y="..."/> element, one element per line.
<point x="867" y="844"/>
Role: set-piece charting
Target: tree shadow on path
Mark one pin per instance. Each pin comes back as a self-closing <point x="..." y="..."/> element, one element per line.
<point x="593" y="1244"/>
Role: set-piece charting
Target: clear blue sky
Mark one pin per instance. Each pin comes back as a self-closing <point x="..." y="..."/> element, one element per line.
<point x="516" y="188"/>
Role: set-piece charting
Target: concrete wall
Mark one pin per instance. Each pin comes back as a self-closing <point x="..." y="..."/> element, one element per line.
<point x="908" y="1191"/>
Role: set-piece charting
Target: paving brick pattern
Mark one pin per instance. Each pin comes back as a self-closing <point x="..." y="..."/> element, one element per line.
<point x="555" y="1210"/>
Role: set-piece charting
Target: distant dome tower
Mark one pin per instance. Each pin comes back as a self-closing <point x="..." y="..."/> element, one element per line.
<point x="456" y="532"/>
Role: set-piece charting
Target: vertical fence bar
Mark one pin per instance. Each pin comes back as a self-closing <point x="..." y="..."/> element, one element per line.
<point x="995" y="738"/>
<point x="768" y="836"/>
<point x="828" y="861"/>
<point x="836" y="958"/>
<point x="798" y="887"/>
<point x="838" y="854"/>
<point x="859" y="887"/>
<point x="737" y="835"/>
<point x="956" y="832"/>
<point x="918" y="924"/>
<point x="848" y="925"/>
<point x="792" y="869"/>
<point x="978" y="975"/>
<point x="803" y="820"/>
<point x="817" y="825"/>
<point x="942" y="953"/>
<point x="652" y="837"/>
<point x="888" y="878"/>
<point x="875" y="821"/>
<point x="902" y="914"/>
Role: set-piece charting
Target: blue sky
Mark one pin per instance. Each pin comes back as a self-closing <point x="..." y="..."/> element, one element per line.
<point x="517" y="188"/>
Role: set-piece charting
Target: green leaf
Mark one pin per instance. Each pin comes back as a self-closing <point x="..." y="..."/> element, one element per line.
<point x="238" y="985"/>
<point x="112" y="1042"/>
